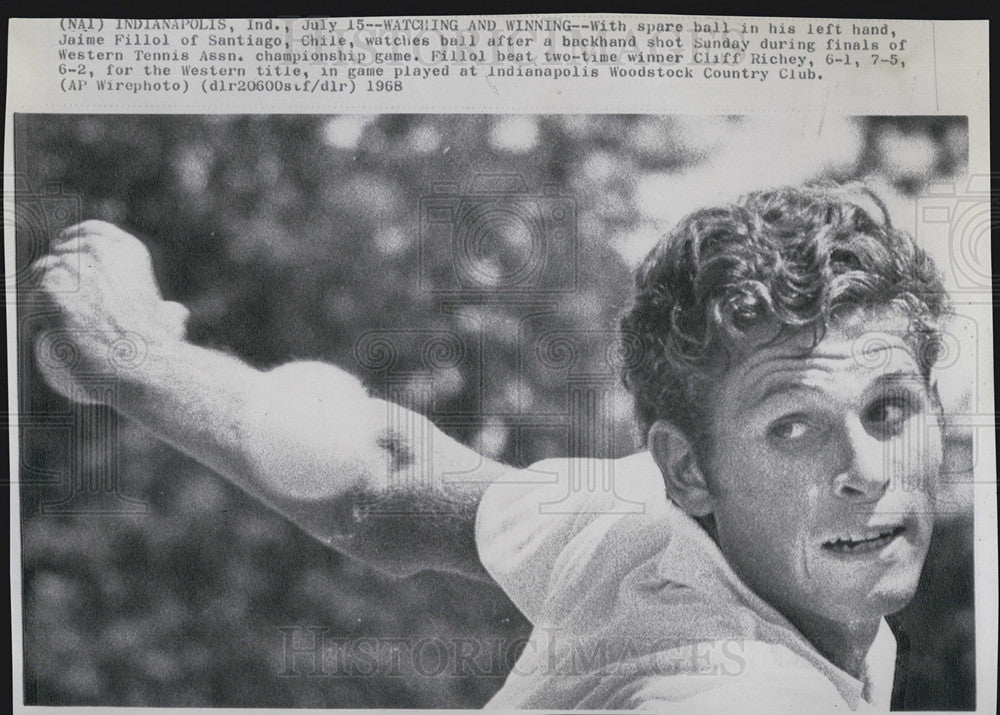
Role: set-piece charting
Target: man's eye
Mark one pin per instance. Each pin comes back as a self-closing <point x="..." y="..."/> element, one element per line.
<point x="788" y="429"/>
<point x="889" y="414"/>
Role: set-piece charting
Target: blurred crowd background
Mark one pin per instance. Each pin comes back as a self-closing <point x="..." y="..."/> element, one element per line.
<point x="147" y="580"/>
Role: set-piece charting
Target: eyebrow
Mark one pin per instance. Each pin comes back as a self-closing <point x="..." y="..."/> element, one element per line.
<point x="784" y="385"/>
<point x="900" y="377"/>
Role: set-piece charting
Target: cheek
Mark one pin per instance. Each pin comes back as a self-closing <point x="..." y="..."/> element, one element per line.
<point x="918" y="457"/>
<point x="749" y="471"/>
<point x="763" y="498"/>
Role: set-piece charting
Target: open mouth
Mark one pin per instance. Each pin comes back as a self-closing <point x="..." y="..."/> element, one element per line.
<point x="860" y="544"/>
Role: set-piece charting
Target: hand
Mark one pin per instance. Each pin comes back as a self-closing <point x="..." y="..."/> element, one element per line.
<point x="109" y="310"/>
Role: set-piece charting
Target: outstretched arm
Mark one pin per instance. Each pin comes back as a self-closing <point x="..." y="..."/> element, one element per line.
<point x="367" y="477"/>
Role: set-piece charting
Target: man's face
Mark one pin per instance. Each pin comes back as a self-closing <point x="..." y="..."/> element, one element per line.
<point x="823" y="470"/>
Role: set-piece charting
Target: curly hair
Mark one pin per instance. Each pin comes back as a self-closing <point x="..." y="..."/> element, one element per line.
<point x="794" y="258"/>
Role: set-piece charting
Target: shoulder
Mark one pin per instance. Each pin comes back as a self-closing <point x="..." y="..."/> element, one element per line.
<point x="562" y="487"/>
<point x="527" y="518"/>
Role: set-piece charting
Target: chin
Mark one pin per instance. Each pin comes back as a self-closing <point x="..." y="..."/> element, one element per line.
<point x="891" y="593"/>
<point x="868" y="587"/>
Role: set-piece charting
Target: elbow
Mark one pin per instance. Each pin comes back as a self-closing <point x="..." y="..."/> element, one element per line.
<point x="316" y="380"/>
<point x="305" y="428"/>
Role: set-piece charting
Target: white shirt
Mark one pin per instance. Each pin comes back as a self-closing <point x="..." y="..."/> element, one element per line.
<point x="634" y="606"/>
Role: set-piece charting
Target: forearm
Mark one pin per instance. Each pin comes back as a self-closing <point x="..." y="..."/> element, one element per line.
<point x="195" y="399"/>
<point x="307" y="440"/>
<point x="305" y="431"/>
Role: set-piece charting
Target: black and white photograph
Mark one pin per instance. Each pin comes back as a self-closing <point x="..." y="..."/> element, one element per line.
<point x="520" y="411"/>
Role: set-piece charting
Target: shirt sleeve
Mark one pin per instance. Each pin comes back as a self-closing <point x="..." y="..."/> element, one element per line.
<point x="528" y="518"/>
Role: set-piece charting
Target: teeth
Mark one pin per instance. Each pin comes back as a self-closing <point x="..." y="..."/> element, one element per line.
<point x="853" y="541"/>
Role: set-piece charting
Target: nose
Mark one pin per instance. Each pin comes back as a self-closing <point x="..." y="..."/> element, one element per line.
<point x="863" y="469"/>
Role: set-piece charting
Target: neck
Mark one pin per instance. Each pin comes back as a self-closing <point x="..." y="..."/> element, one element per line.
<point x="846" y="645"/>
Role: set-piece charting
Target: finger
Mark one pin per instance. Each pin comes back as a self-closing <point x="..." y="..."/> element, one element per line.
<point x="74" y="232"/>
<point x="72" y="235"/>
<point x="32" y="287"/>
<point x="68" y="240"/>
<point x="51" y="268"/>
<point x="59" y="278"/>
<point x="39" y="266"/>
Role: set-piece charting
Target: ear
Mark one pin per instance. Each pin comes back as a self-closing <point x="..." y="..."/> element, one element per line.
<point x="685" y="482"/>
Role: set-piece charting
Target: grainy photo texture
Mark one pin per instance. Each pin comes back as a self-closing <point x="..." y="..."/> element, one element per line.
<point x="535" y="411"/>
